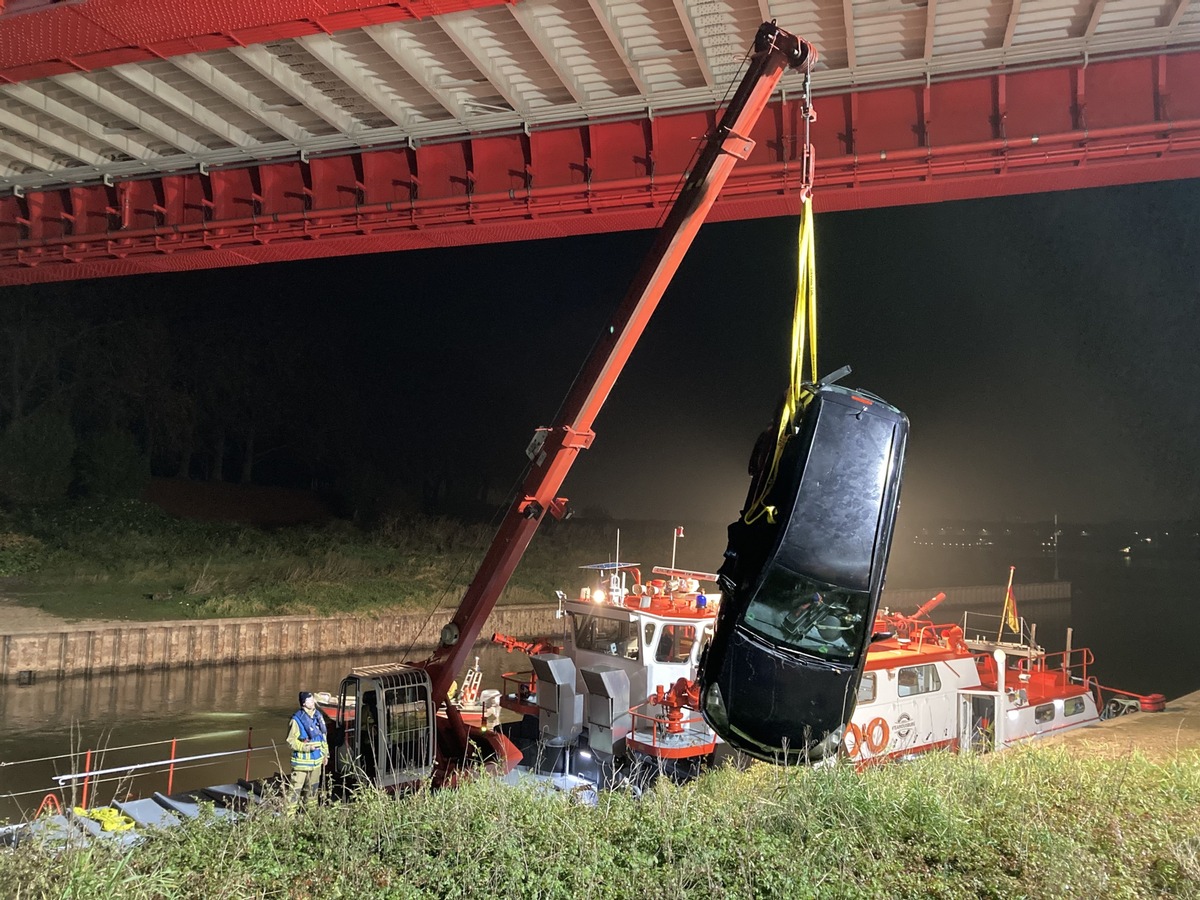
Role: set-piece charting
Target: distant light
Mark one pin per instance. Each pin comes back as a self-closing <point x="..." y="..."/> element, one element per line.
<point x="598" y="596"/>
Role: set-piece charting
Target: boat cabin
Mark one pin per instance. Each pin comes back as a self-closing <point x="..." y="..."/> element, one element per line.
<point x="652" y="630"/>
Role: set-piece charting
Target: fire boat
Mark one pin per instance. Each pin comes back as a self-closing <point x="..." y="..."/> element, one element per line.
<point x="620" y="690"/>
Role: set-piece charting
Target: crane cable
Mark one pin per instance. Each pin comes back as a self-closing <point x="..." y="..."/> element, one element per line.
<point x="804" y="331"/>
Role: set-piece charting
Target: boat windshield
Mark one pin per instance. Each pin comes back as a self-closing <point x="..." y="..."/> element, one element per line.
<point x="799" y="613"/>
<point x="600" y="634"/>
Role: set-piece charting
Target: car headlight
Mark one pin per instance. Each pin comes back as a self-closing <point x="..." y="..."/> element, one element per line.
<point x="714" y="709"/>
<point x="827" y="747"/>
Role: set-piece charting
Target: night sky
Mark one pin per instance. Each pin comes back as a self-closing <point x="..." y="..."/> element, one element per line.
<point x="1043" y="346"/>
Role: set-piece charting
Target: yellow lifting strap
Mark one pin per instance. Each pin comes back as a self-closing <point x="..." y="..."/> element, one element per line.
<point x="804" y="331"/>
<point x="110" y="819"/>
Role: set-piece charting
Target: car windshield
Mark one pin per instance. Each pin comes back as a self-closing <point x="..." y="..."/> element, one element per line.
<point x="798" y="613"/>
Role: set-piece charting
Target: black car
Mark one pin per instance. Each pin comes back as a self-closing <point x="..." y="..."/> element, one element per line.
<point x="802" y="577"/>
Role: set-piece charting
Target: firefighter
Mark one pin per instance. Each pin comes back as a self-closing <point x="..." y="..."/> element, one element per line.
<point x="310" y="749"/>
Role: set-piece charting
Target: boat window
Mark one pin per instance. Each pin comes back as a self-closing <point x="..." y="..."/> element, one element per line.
<point x="1074" y="706"/>
<point x="799" y="613"/>
<point x="648" y="635"/>
<point x="866" y="688"/>
<point x="918" y="680"/>
<point x="675" y="643"/>
<point x="1043" y="713"/>
<point x="600" y="634"/>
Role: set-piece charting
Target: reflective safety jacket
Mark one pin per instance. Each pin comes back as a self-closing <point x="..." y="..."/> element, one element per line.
<point x="304" y="729"/>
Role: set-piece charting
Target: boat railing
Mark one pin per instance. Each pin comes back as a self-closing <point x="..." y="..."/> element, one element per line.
<point x="519" y="686"/>
<point x="80" y="788"/>
<point x="993" y="628"/>
<point x="915" y="633"/>
<point x="1066" y="666"/>
<point x="673" y="733"/>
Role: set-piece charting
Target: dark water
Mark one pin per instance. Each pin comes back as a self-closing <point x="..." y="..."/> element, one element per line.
<point x="1139" y="618"/>
<point x="132" y="717"/>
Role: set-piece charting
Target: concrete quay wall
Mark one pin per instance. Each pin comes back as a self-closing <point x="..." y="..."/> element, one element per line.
<point x="82" y="650"/>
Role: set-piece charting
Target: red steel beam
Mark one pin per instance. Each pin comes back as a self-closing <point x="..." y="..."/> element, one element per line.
<point x="980" y="137"/>
<point x="94" y="34"/>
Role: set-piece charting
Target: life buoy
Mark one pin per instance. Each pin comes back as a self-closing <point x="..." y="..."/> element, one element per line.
<point x="877" y="735"/>
<point x="852" y="740"/>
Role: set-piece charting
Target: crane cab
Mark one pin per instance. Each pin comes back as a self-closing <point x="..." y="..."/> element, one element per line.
<point x="385" y="728"/>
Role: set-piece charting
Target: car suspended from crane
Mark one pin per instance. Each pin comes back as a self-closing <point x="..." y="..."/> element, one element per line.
<point x="393" y="723"/>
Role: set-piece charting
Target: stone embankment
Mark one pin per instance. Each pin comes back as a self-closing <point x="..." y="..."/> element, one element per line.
<point x="91" y="649"/>
<point x="55" y="649"/>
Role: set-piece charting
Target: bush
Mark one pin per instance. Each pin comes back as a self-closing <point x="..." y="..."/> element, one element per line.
<point x="19" y="553"/>
<point x="110" y="464"/>
<point x="35" y="457"/>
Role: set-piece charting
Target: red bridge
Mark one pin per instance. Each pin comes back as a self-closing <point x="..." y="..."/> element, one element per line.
<point x="146" y="135"/>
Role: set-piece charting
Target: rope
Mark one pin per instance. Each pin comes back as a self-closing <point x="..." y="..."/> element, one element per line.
<point x="804" y="331"/>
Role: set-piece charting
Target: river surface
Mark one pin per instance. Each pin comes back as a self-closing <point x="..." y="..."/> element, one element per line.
<point x="1138" y="617"/>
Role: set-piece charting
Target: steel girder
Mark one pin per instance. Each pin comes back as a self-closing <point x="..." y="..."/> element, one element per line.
<point x="1108" y="123"/>
<point x="103" y="33"/>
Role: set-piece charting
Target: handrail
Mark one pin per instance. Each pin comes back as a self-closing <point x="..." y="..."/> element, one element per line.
<point x="76" y="776"/>
<point x="524" y="684"/>
<point x="106" y="749"/>
<point x="663" y="727"/>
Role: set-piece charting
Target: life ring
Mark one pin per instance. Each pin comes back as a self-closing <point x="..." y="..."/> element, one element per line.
<point x="852" y="740"/>
<point x="877" y="735"/>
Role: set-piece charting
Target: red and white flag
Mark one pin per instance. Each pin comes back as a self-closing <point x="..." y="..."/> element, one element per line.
<point x="678" y="531"/>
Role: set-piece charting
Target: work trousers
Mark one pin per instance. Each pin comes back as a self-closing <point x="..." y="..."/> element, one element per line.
<point x="304" y="782"/>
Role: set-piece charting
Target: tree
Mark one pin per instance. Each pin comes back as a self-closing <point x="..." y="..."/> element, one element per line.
<point x="35" y="456"/>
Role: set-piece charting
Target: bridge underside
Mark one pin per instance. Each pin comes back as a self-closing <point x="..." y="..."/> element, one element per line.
<point x="1113" y="122"/>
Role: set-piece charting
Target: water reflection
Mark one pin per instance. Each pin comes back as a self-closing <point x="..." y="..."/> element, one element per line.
<point x="209" y="709"/>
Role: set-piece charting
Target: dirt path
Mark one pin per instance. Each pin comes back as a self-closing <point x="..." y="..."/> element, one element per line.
<point x="17" y="619"/>
<point x="1158" y="736"/>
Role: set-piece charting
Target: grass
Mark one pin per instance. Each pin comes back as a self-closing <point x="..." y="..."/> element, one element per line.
<point x="1027" y="823"/>
<point x="129" y="560"/>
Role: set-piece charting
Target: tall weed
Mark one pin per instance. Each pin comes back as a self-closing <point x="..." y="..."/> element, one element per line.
<point x="1029" y="823"/>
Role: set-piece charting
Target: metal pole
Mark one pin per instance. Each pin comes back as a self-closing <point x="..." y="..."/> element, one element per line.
<point x="249" y="747"/>
<point x="171" y="770"/>
<point x="87" y="767"/>
<point x="1004" y="612"/>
